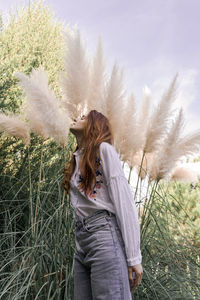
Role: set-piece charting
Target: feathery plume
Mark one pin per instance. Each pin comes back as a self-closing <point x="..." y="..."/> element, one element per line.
<point x="147" y="161"/>
<point x="75" y="80"/>
<point x="136" y="130"/>
<point x="96" y="87"/>
<point x="167" y="155"/>
<point x="184" y="174"/>
<point x="13" y="126"/>
<point x="129" y="126"/>
<point x="189" y="144"/>
<point x="159" y="120"/>
<point x="173" y="149"/>
<point x="42" y="109"/>
<point x="139" y="137"/>
<point x="114" y="101"/>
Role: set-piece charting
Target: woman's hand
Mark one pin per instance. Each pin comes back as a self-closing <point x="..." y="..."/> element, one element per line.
<point x="134" y="282"/>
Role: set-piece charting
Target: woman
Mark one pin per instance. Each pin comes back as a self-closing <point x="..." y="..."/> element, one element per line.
<point x="107" y="231"/>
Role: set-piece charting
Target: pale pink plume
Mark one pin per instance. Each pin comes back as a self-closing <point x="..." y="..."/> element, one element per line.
<point x="189" y="144"/>
<point x="184" y="174"/>
<point x="173" y="149"/>
<point x="42" y="107"/>
<point x="167" y="155"/>
<point x="96" y="99"/>
<point x="13" y="126"/>
<point x="142" y="123"/>
<point x="159" y="120"/>
<point x="138" y="137"/>
<point x="143" y="167"/>
<point x="115" y="102"/>
<point x="75" y="80"/>
<point x="134" y="134"/>
<point x="128" y="129"/>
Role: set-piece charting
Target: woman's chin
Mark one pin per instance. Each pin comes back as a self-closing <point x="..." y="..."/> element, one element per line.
<point x="71" y="129"/>
<point x="74" y="129"/>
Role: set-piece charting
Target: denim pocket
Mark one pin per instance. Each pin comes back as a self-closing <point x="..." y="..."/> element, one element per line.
<point x="97" y="225"/>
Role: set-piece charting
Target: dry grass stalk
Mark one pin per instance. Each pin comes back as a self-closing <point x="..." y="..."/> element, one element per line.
<point x="143" y="169"/>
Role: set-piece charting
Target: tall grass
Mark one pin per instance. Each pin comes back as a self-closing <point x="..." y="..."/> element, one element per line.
<point x="37" y="236"/>
<point x="171" y="256"/>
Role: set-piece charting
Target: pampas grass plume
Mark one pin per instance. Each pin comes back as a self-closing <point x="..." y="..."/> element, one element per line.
<point x="115" y="101"/>
<point x="133" y="132"/>
<point x="166" y="156"/>
<point x="184" y="174"/>
<point x="42" y="108"/>
<point x="160" y="117"/>
<point x="13" y="126"/>
<point x="128" y="129"/>
<point x="96" y="93"/>
<point x="74" y="81"/>
<point x="142" y="122"/>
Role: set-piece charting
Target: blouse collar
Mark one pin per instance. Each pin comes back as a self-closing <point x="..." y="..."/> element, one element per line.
<point x="77" y="152"/>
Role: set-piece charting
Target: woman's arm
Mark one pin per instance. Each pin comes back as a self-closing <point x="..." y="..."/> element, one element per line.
<point x="123" y="202"/>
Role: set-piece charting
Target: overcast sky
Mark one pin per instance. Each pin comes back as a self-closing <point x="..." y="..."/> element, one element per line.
<point x="150" y="39"/>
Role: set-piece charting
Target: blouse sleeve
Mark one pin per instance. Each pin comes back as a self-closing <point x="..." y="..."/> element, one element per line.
<point x="123" y="202"/>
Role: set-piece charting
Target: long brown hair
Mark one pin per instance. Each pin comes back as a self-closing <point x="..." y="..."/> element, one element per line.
<point x="97" y="130"/>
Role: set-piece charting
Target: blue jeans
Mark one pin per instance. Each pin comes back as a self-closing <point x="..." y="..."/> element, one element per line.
<point x="100" y="266"/>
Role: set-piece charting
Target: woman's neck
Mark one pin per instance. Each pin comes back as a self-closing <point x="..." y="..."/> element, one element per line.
<point x="79" y="141"/>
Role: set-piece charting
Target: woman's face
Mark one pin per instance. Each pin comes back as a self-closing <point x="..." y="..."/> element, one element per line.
<point x="78" y="124"/>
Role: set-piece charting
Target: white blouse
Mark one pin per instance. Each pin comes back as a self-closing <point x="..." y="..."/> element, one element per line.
<point x="111" y="192"/>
